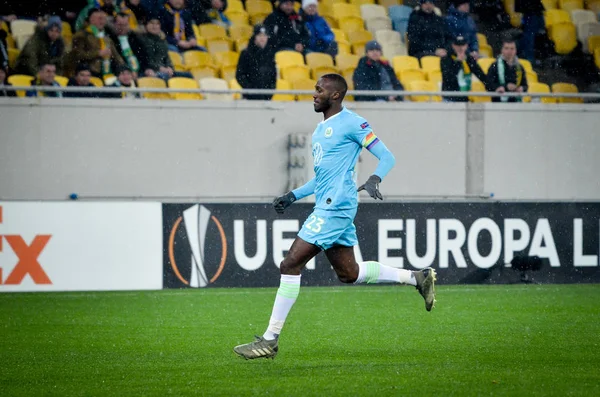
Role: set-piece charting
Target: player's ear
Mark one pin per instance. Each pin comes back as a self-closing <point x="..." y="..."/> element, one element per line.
<point x="336" y="95"/>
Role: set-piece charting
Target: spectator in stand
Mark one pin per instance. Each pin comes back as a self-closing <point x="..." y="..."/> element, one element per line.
<point x="209" y="11"/>
<point x="45" y="78"/>
<point x="176" y="22"/>
<point x="457" y="69"/>
<point x="94" y="47"/>
<point x="137" y="14"/>
<point x="427" y="32"/>
<point x="507" y="74"/>
<point x="124" y="79"/>
<point x="157" y="62"/>
<point x="3" y="51"/>
<point x="129" y="44"/>
<point x="533" y="24"/>
<point x="110" y="7"/>
<point x="375" y="74"/>
<point x="322" y="38"/>
<point x="256" y="66"/>
<point x="44" y="47"/>
<point x="81" y="79"/>
<point x="4" y="83"/>
<point x="460" y="23"/>
<point x="286" y="29"/>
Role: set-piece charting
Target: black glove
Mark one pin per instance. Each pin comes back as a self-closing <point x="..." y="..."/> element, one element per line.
<point x="372" y="187"/>
<point x="281" y="203"/>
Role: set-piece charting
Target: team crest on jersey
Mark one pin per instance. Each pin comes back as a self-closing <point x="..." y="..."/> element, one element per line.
<point x="364" y="125"/>
<point x="328" y="132"/>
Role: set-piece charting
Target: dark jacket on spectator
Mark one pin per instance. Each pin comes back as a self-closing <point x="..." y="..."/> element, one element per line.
<point x="462" y="24"/>
<point x="7" y="93"/>
<point x="321" y="34"/>
<point x="167" y="23"/>
<point x="137" y="47"/>
<point x="86" y="48"/>
<point x="156" y="53"/>
<point x="285" y="31"/>
<point x="426" y="33"/>
<point x="451" y="67"/>
<point x="3" y="51"/>
<point x="256" y="69"/>
<point x="529" y="7"/>
<point x="40" y="50"/>
<point x="82" y="94"/>
<point x="200" y="10"/>
<point x="515" y="74"/>
<point x="367" y="77"/>
<point x="49" y="94"/>
<point x="139" y="12"/>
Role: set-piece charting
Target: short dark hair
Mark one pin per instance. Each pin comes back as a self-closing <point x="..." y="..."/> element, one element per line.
<point x="122" y="15"/>
<point x="92" y="11"/>
<point x="82" y="66"/>
<point x="338" y="81"/>
<point x="43" y="64"/>
<point x="509" y="40"/>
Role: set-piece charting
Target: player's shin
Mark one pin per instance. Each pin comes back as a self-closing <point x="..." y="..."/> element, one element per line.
<point x="372" y="272"/>
<point x="289" y="289"/>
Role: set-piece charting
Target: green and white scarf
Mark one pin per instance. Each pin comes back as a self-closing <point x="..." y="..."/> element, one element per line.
<point x="464" y="76"/>
<point x="101" y="37"/>
<point x="128" y="54"/>
<point x="502" y="76"/>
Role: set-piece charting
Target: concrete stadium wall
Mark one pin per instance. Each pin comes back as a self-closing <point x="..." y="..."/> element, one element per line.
<point x="238" y="151"/>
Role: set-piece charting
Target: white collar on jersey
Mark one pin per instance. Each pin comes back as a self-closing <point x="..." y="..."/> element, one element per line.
<point x="334" y="116"/>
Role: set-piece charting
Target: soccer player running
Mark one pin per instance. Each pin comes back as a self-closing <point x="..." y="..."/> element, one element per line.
<point x="336" y="145"/>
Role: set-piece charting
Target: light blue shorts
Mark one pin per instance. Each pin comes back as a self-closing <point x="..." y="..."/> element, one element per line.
<point x="326" y="229"/>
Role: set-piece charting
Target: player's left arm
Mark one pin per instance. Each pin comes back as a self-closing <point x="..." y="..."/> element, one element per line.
<point x="387" y="161"/>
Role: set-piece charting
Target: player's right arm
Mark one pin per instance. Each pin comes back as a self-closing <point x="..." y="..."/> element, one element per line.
<point x="281" y="203"/>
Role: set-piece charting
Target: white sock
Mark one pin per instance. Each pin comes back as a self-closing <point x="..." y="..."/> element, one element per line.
<point x="289" y="289"/>
<point x="372" y="272"/>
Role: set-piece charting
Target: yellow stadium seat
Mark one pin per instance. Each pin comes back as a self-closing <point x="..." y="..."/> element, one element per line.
<point x="304" y="84"/>
<point x="202" y="72"/>
<point x="288" y="58"/>
<point x="344" y="10"/>
<point x="234" y="85"/>
<point x="526" y="65"/>
<point x="566" y="88"/>
<point x="593" y="43"/>
<point x="407" y="76"/>
<point x="258" y="10"/>
<point x="532" y="77"/>
<point x="435" y="76"/>
<point x="211" y="31"/>
<point x="13" y="55"/>
<point x="228" y="72"/>
<point x="430" y="62"/>
<point x="359" y="37"/>
<point x="177" y="61"/>
<point x="238" y="18"/>
<point x="62" y="80"/>
<point x="564" y="37"/>
<point x="401" y="62"/>
<point x="317" y="73"/>
<point x="482" y="39"/>
<point x="96" y="81"/>
<point x="478" y="86"/>
<point x="4" y="26"/>
<point x="351" y="24"/>
<point x="358" y="49"/>
<point x="362" y="2"/>
<point x="597" y="57"/>
<point x="241" y="44"/>
<point x="295" y="72"/>
<point x="486" y="51"/>
<point x="516" y="19"/>
<point x="217" y="45"/>
<point x="241" y="32"/>
<point x="10" y="41"/>
<point x="550" y="4"/>
<point x="227" y="58"/>
<point x="283" y="85"/>
<point x="196" y="59"/>
<point x="20" y="80"/>
<point x="184" y="83"/>
<point x="235" y="5"/>
<point x="340" y="35"/>
<point x="153" y="82"/>
<point x="426" y="86"/>
<point x="540" y="88"/>
<point x="570" y="5"/>
<point x="197" y="32"/>
<point x="554" y="17"/>
<point x="346" y="62"/>
<point x="212" y="83"/>
<point x="331" y="21"/>
<point x="344" y="48"/>
<point x="586" y="30"/>
<point x="320" y="64"/>
<point x="485" y="63"/>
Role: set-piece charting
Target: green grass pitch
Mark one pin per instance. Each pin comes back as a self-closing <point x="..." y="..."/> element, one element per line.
<point x="518" y="340"/>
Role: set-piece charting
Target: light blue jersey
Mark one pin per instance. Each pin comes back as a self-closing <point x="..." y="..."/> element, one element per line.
<point x="336" y="145"/>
